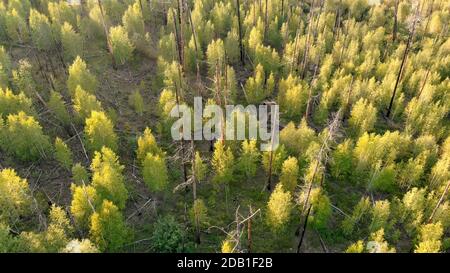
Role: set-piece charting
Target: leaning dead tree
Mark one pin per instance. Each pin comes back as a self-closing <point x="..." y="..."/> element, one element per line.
<point x="240" y="224"/>
<point x="321" y="160"/>
<point x="415" y="19"/>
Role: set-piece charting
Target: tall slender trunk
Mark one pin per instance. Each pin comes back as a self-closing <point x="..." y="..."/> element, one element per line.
<point x="241" y="46"/>
<point x="405" y="55"/>
<point x="394" y="30"/>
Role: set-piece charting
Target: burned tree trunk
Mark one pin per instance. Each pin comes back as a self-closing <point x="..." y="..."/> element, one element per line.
<point x="394" y="30"/>
<point x="241" y="46"/>
<point x="405" y="55"/>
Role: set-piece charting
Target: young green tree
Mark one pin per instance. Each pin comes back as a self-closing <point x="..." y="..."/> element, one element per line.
<point x="15" y="197"/>
<point x="79" y="75"/>
<point x="72" y="42"/>
<point x="248" y="162"/>
<point x="23" y="138"/>
<point x="121" y="45"/>
<point x="108" y="229"/>
<point x="257" y="88"/>
<point x="168" y="236"/>
<point x="84" y="203"/>
<point x="41" y="31"/>
<point x="22" y="78"/>
<point x="80" y="175"/>
<point x="223" y="163"/>
<point x="13" y="104"/>
<point x="279" y="208"/>
<point x="99" y="132"/>
<point x="133" y="21"/>
<point x="430" y="238"/>
<point x="84" y="103"/>
<point x="107" y="177"/>
<point x="278" y="157"/>
<point x="147" y="144"/>
<point x="16" y="26"/>
<point x="136" y="101"/>
<point x="199" y="213"/>
<point x="320" y="208"/>
<point x="154" y="171"/>
<point x="289" y="174"/>
<point x="57" y="105"/>
<point x="362" y="117"/>
<point x="63" y="154"/>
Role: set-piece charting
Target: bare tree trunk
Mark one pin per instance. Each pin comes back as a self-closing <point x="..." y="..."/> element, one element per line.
<point x="394" y="30"/>
<point x="269" y="179"/>
<point x="249" y="233"/>
<point x="266" y="21"/>
<point x="405" y="55"/>
<point x="241" y="46"/>
<point x="439" y="202"/>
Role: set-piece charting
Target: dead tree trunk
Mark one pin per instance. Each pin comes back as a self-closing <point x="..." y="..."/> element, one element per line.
<point x="241" y="46"/>
<point x="405" y="55"/>
<point x="439" y="202"/>
<point x="394" y="30"/>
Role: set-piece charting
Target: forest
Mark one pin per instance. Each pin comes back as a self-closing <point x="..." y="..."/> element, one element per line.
<point x="88" y="163"/>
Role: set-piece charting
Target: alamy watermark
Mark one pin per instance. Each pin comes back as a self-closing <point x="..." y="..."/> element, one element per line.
<point x="238" y="123"/>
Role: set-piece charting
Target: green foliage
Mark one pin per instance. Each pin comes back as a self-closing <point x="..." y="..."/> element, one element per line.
<point x="200" y="168"/>
<point x="107" y="177"/>
<point x="357" y="247"/>
<point x="215" y="55"/>
<point x="41" y="31"/>
<point x="320" y="208"/>
<point x="168" y="236"/>
<point x="16" y="26"/>
<point x="22" y="78"/>
<point x="108" y="229"/>
<point x="13" y="104"/>
<point x="222" y="163"/>
<point x="430" y="238"/>
<point x="297" y="140"/>
<point x="363" y="117"/>
<point x="72" y="42"/>
<point x="23" y="138"/>
<point x="154" y="171"/>
<point x="57" y="105"/>
<point x="289" y="174"/>
<point x="133" y="21"/>
<point x="279" y="208"/>
<point x="147" y="144"/>
<point x="292" y="96"/>
<point x="249" y="158"/>
<point x="99" y="132"/>
<point x="79" y="75"/>
<point x="84" y="202"/>
<point x="63" y="154"/>
<point x="15" y="197"/>
<point x="85" y="103"/>
<point x="278" y="157"/>
<point x="199" y="213"/>
<point x="342" y="164"/>
<point x="121" y="45"/>
<point x="137" y="102"/>
<point x="359" y="214"/>
<point x="79" y="174"/>
<point x="257" y="88"/>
